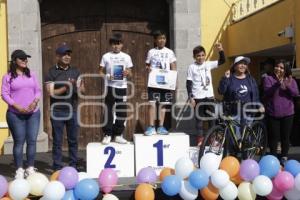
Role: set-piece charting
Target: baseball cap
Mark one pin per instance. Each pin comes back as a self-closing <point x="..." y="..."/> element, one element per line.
<point x="19" y="54"/>
<point x="63" y="49"/>
<point x="241" y="58"/>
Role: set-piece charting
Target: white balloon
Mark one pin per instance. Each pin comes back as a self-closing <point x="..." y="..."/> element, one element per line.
<point x="82" y="175"/>
<point x="297" y="182"/>
<point x="229" y="192"/>
<point x="18" y="189"/>
<point x="188" y="192"/>
<point x="262" y="185"/>
<point x="183" y="167"/>
<point x="54" y="190"/>
<point x="220" y="178"/>
<point x="209" y="163"/>
<point x="293" y="194"/>
<point x="37" y="182"/>
<point x="110" y="197"/>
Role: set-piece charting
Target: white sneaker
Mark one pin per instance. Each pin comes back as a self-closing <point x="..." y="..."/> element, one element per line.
<point x="20" y="173"/>
<point x="106" y="140"/>
<point x="29" y="171"/>
<point x="120" y="140"/>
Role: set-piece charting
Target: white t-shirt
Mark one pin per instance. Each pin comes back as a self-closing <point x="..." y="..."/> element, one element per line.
<point x="116" y="61"/>
<point x="200" y="75"/>
<point x="160" y="58"/>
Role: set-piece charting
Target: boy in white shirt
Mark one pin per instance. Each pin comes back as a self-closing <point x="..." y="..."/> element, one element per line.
<point x="199" y="86"/>
<point x="159" y="57"/>
<point x="116" y="66"/>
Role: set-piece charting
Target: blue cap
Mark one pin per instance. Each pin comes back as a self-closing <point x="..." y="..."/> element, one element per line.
<point x="63" y="49"/>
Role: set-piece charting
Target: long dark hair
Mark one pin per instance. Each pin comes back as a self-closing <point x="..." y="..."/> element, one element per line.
<point x="287" y="67"/>
<point x="13" y="70"/>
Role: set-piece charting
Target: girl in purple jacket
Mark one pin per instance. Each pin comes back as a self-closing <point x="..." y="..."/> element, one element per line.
<point x="279" y="90"/>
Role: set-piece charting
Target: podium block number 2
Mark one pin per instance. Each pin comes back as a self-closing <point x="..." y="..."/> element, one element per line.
<point x="111" y="154"/>
<point x="160" y="152"/>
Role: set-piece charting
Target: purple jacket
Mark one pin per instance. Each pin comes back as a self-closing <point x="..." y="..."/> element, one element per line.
<point x="279" y="101"/>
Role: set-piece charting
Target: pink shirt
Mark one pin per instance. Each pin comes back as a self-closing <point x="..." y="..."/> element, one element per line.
<point x="21" y="90"/>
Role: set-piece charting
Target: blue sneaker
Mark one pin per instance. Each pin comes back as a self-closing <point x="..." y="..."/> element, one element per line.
<point x="162" y="130"/>
<point x="150" y="131"/>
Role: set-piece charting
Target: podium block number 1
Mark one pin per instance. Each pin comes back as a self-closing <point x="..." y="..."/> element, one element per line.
<point x="112" y="152"/>
<point x="160" y="152"/>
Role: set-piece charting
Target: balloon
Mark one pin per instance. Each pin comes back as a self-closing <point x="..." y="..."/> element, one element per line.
<point x="275" y="194"/>
<point x="82" y="175"/>
<point x="69" y="177"/>
<point x="229" y="192"/>
<point x="108" y="178"/>
<point x="262" y="185"/>
<point x="249" y="169"/>
<point x="87" y="189"/>
<point x="292" y="166"/>
<point x="171" y="185"/>
<point x="209" y="163"/>
<point x="54" y="176"/>
<point x="284" y="181"/>
<point x="237" y="179"/>
<point x="54" y="190"/>
<point x="110" y="197"/>
<point x="37" y="182"/>
<point x="209" y="192"/>
<point x="292" y="194"/>
<point x="297" y="182"/>
<point x="231" y="165"/>
<point x="69" y="195"/>
<point x="144" y="191"/>
<point x="166" y="171"/>
<point x="269" y="166"/>
<point x="19" y="189"/>
<point x="199" y="179"/>
<point x="146" y="175"/>
<point x="183" y="167"/>
<point x="219" y="178"/>
<point x="188" y="192"/>
<point x="246" y="192"/>
<point x="5" y="198"/>
<point x="3" y="186"/>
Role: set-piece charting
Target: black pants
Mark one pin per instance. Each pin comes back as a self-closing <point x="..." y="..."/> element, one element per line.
<point x="201" y="114"/>
<point x="115" y="99"/>
<point x="279" y="129"/>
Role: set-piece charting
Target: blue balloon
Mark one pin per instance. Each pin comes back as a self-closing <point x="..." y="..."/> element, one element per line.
<point x="269" y="166"/>
<point x="87" y="189"/>
<point x="69" y="195"/>
<point x="171" y="185"/>
<point x="199" y="179"/>
<point x="292" y="166"/>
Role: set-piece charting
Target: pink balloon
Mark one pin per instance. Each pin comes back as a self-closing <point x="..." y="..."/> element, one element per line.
<point x="284" y="181"/>
<point x="108" y="178"/>
<point x="275" y="194"/>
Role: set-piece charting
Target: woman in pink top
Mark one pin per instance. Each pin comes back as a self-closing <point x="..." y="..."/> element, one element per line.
<point x="21" y="91"/>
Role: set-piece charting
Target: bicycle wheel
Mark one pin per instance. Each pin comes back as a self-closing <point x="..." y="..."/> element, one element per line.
<point x="254" y="144"/>
<point x="214" y="141"/>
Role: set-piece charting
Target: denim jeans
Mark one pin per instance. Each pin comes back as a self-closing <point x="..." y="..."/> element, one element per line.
<point x="24" y="127"/>
<point x="59" y="120"/>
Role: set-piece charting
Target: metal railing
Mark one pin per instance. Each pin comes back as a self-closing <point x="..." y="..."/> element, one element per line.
<point x="244" y="8"/>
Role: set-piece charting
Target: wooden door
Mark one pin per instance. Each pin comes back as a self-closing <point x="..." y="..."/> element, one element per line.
<point x="86" y="27"/>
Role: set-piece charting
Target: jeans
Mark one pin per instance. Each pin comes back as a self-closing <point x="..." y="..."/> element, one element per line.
<point x="24" y="127"/>
<point x="59" y="120"/>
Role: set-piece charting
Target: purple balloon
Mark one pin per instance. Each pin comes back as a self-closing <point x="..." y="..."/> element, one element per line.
<point x="108" y="178"/>
<point x="146" y="175"/>
<point x="284" y="181"/>
<point x="3" y="186"/>
<point x="68" y="176"/>
<point x="249" y="169"/>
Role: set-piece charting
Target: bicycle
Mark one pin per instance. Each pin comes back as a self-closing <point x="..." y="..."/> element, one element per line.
<point x="222" y="139"/>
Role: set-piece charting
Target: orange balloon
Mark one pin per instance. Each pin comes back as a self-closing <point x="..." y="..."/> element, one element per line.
<point x="209" y="192"/>
<point x="237" y="179"/>
<point x="54" y="176"/>
<point x="144" y="191"/>
<point x="231" y="165"/>
<point x="5" y="198"/>
<point x="166" y="171"/>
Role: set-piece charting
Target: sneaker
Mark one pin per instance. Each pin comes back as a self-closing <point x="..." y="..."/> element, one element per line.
<point x="106" y="140"/>
<point x="120" y="140"/>
<point x="150" y="131"/>
<point x="162" y="130"/>
<point x="29" y="171"/>
<point x="20" y="173"/>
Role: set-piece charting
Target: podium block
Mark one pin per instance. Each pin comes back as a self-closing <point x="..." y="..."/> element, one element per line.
<point x="117" y="156"/>
<point x="159" y="151"/>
